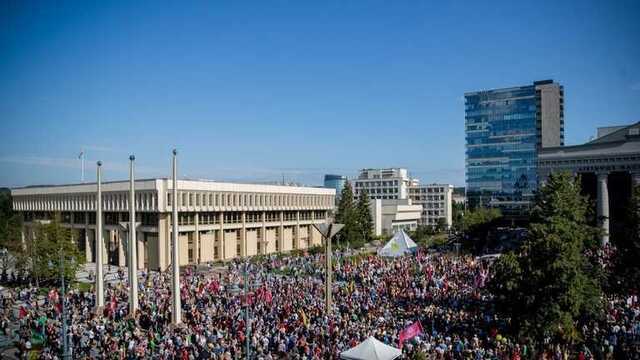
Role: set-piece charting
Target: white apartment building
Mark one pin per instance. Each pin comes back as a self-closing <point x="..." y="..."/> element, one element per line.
<point x="217" y="221"/>
<point x="384" y="184"/>
<point x="436" y="201"/>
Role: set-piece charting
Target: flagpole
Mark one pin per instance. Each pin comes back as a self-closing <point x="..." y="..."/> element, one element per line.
<point x="82" y="165"/>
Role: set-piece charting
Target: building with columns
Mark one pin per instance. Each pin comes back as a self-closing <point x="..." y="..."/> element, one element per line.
<point x="217" y="221"/>
<point x="609" y="166"/>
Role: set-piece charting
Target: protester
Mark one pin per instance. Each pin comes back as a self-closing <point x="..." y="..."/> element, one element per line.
<point x="440" y="298"/>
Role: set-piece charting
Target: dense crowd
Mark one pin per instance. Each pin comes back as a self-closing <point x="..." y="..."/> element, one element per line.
<point x="372" y="296"/>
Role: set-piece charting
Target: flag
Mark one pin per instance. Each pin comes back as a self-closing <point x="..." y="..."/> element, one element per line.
<point x="410" y="332"/>
<point x="305" y="321"/>
<point x="22" y="313"/>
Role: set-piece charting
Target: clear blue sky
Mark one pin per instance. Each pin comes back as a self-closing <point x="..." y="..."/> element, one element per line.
<point x="252" y="90"/>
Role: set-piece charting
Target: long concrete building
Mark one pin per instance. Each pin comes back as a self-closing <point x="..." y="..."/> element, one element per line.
<point x="217" y="221"/>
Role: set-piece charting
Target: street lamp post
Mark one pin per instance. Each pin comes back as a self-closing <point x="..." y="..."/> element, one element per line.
<point x="328" y="231"/>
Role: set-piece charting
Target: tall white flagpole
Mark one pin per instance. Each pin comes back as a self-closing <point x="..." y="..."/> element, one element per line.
<point x="81" y="157"/>
<point x="99" y="243"/>
<point x="176" y="306"/>
<point x="133" y="253"/>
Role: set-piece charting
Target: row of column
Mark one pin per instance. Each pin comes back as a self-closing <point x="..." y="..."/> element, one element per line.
<point x="121" y="237"/>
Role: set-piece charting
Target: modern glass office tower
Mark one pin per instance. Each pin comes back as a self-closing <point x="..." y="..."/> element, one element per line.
<point x="505" y="129"/>
<point x="335" y="182"/>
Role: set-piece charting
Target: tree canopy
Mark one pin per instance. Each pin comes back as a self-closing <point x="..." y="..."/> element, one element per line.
<point x="549" y="284"/>
<point x="356" y="217"/>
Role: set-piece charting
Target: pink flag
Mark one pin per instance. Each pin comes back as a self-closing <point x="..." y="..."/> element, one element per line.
<point x="410" y="332"/>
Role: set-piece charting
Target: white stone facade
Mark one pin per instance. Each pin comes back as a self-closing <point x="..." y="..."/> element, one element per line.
<point x="385" y="184"/>
<point x="217" y="221"/>
<point x="390" y="216"/>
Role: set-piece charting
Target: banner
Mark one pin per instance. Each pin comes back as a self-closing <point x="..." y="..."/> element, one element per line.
<point x="410" y="332"/>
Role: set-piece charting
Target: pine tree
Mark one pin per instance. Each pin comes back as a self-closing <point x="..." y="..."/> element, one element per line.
<point x="365" y="220"/>
<point x="550" y="284"/>
<point x="347" y="215"/>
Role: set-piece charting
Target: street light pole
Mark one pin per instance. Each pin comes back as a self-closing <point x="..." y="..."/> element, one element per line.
<point x="177" y="308"/>
<point x="99" y="243"/>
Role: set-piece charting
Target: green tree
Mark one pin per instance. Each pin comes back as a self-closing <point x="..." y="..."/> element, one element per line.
<point x="10" y="235"/>
<point x="365" y="220"/>
<point x="476" y="225"/>
<point x="549" y="285"/>
<point x="457" y="211"/>
<point x="51" y="247"/>
<point x="347" y="214"/>
<point x="441" y="225"/>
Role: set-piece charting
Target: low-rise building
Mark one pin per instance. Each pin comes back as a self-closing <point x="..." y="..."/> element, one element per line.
<point x="385" y="184"/>
<point x="217" y="221"/>
<point x="436" y="201"/>
<point x="390" y="216"/>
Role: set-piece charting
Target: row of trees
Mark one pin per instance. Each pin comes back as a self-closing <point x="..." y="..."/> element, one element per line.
<point x="356" y="217"/>
<point x="43" y="254"/>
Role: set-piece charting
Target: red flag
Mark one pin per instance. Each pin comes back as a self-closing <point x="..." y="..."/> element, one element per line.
<point x="22" y="313"/>
<point x="410" y="332"/>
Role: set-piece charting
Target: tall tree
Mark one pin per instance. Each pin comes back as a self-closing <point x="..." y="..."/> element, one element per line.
<point x="550" y="284"/>
<point x="365" y="220"/>
<point x="347" y="215"/>
<point x="53" y="250"/>
<point x="10" y="236"/>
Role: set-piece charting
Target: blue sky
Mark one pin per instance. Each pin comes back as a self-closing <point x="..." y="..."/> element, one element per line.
<point x="250" y="91"/>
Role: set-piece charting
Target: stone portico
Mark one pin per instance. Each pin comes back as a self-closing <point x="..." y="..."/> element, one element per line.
<point x="616" y="151"/>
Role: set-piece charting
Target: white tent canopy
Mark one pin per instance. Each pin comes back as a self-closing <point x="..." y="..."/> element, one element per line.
<point x="371" y="349"/>
<point x="399" y="245"/>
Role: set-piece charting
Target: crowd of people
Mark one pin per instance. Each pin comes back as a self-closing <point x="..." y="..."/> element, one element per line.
<point x="373" y="296"/>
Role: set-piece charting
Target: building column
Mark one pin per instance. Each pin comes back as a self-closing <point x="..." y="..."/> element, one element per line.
<point x="243" y="235"/>
<point x="296" y="237"/>
<point x="122" y="259"/>
<point x="603" y="206"/>
<point x="281" y="233"/>
<point x="140" y="252"/>
<point x="196" y="239"/>
<point x="263" y="234"/>
<point x="87" y="244"/>
<point x="221" y="242"/>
